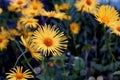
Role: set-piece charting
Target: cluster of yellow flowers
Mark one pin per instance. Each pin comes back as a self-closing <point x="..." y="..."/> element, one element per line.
<point x="109" y="17"/>
<point x="47" y="39"/>
<point x="104" y="14"/>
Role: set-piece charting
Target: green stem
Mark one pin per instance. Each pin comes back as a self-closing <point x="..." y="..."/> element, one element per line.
<point x="64" y="69"/>
<point x="45" y="68"/>
<point x="19" y="57"/>
<point x="107" y="41"/>
<point x="24" y="56"/>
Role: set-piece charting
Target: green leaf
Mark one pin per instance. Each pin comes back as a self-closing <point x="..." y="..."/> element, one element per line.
<point x="116" y="73"/>
<point x="57" y="58"/>
<point x="78" y="64"/>
<point x="86" y="47"/>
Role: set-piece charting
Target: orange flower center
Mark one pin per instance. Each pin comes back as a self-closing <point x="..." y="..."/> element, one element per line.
<point x="118" y="28"/>
<point x="51" y="15"/>
<point x="30" y="21"/>
<point x="1" y="40"/>
<point x="48" y="42"/>
<point x="73" y="27"/>
<point x="89" y="2"/>
<point x="20" y="2"/>
<point x="19" y="75"/>
<point x="105" y="20"/>
<point x="35" y="7"/>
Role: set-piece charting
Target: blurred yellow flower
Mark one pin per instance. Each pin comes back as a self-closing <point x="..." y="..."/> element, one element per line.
<point x="52" y="63"/>
<point x="14" y="32"/>
<point x="49" y="14"/>
<point x="116" y="28"/>
<point x="3" y="42"/>
<point x="49" y="40"/>
<point x="89" y="6"/>
<point x="64" y="6"/>
<point x="18" y="74"/>
<point x="31" y="48"/>
<point x="29" y="22"/>
<point x="61" y="16"/>
<point x="74" y="27"/>
<point x="107" y="15"/>
<point x="13" y="8"/>
<point x="1" y="10"/>
<point x="5" y="33"/>
<point x="28" y="12"/>
<point x="36" y="6"/>
<point x="17" y="5"/>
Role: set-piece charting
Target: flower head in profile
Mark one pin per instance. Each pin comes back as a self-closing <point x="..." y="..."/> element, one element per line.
<point x="107" y="15"/>
<point x="29" y="22"/>
<point x="3" y="42"/>
<point x="89" y="6"/>
<point x="49" y="40"/>
<point x="116" y="28"/>
<point x="4" y="38"/>
<point x="63" y="6"/>
<point x="18" y="74"/>
<point x="74" y="27"/>
<point x="31" y="48"/>
<point x="62" y="15"/>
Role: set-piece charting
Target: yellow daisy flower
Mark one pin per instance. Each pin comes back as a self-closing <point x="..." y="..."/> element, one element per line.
<point x="29" y="22"/>
<point x="31" y="48"/>
<point x="116" y="28"/>
<point x="89" y="6"/>
<point x="49" y="40"/>
<point x="107" y="15"/>
<point x="28" y="12"/>
<point x="13" y="8"/>
<point x="17" y="4"/>
<point x="3" y="42"/>
<point x="74" y="27"/>
<point x="5" y="33"/>
<point x="36" y="6"/>
<point x="49" y="14"/>
<point x="18" y="74"/>
<point x="61" y="16"/>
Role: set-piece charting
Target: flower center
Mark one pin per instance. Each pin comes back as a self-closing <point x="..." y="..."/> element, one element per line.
<point x="20" y="2"/>
<point x="118" y="28"/>
<point x="73" y="27"/>
<point x="30" y="21"/>
<point x="19" y="75"/>
<point x="51" y="14"/>
<point x="1" y="40"/>
<point x="35" y="7"/>
<point x="105" y="20"/>
<point x="89" y="2"/>
<point x="48" y="42"/>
